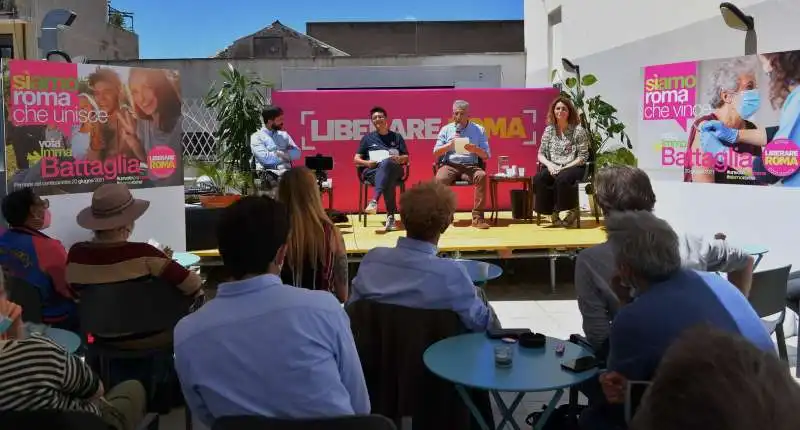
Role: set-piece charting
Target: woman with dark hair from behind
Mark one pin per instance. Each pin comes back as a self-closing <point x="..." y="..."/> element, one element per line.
<point x="712" y="380"/>
<point x="316" y="258"/>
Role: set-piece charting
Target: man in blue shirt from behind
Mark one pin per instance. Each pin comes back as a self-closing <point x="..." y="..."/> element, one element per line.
<point x="261" y="347"/>
<point x="411" y="274"/>
<point x="380" y="159"/>
<point x="660" y="301"/>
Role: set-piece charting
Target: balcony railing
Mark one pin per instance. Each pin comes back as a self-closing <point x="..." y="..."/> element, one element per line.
<point x="118" y="18"/>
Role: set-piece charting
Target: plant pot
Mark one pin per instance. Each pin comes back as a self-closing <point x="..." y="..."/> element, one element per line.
<point x="218" y="201"/>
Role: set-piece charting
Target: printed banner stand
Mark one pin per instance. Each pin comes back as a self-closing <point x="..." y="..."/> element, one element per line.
<point x="71" y="127"/>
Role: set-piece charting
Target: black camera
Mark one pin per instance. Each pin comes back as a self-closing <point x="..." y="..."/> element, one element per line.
<point x="320" y="164"/>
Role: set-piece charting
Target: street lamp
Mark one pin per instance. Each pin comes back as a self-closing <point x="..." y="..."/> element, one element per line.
<point x="738" y="20"/>
<point x="52" y="24"/>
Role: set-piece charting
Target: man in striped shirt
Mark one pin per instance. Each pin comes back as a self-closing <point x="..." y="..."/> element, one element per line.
<point x="37" y="374"/>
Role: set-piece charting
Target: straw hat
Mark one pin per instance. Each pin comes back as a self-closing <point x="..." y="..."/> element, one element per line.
<point x="112" y="206"/>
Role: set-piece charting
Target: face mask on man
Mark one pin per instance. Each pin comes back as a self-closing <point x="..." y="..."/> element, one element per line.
<point x="749" y="103"/>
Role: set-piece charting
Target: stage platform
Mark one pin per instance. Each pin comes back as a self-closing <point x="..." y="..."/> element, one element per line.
<point x="508" y="239"/>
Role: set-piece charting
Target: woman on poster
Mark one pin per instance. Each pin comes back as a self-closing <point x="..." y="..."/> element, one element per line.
<point x="735" y="100"/>
<point x="157" y="107"/>
<point x="783" y="69"/>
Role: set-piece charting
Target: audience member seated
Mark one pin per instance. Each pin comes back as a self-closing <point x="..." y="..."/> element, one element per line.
<point x="28" y="254"/>
<point x="411" y="274"/>
<point x="660" y="300"/>
<point x="624" y="188"/>
<point x="563" y="154"/>
<point x="453" y="165"/>
<point x="316" y="257"/>
<point x="712" y="380"/>
<point x="10" y="315"/>
<point x="793" y="292"/>
<point x="110" y="258"/>
<point x="262" y="347"/>
<point x="61" y="381"/>
<point x="383" y="174"/>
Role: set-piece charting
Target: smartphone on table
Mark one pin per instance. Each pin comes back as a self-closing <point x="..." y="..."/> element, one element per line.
<point x="580" y="364"/>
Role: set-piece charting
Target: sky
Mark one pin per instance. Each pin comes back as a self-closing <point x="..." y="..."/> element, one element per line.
<point x="201" y="28"/>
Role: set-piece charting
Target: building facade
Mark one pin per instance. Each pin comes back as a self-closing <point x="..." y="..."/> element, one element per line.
<point x="98" y="32"/>
<point x="421" y="37"/>
<point x="615" y="39"/>
<point x="278" y="41"/>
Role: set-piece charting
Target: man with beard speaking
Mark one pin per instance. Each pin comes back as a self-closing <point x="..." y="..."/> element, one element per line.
<point x="273" y="148"/>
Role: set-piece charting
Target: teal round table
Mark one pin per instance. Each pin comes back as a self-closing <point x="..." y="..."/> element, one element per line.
<point x="480" y="271"/>
<point x="756" y="251"/>
<point x="186" y="259"/>
<point x="63" y="338"/>
<point x="468" y="361"/>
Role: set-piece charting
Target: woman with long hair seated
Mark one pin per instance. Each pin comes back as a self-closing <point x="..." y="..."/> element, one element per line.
<point x="316" y="257"/>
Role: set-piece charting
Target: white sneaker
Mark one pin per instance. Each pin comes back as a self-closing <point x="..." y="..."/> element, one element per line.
<point x="390" y="226"/>
<point x="372" y="208"/>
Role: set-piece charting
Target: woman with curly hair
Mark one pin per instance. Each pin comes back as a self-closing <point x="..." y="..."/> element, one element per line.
<point x="783" y="69"/>
<point x="563" y="153"/>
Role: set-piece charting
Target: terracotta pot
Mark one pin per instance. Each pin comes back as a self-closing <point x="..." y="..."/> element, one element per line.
<point x="218" y="201"/>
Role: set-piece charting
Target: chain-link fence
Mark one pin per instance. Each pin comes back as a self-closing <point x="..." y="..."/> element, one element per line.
<point x="199" y="124"/>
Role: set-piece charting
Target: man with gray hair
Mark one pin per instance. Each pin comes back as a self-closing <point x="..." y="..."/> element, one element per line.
<point x="467" y="162"/>
<point x="626" y="188"/>
<point x="661" y="301"/>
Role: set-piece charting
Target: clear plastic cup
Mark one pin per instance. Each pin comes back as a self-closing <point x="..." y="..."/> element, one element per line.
<point x="503" y="356"/>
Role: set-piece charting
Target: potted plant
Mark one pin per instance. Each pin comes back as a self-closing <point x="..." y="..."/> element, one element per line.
<point x="226" y="184"/>
<point x="238" y="103"/>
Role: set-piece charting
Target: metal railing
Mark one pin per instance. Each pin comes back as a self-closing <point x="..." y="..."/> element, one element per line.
<point x="119" y="18"/>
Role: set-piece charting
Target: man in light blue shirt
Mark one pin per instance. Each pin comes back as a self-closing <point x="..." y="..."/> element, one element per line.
<point x="467" y="163"/>
<point x="272" y="147"/>
<point x="261" y="347"/>
<point x="411" y="274"/>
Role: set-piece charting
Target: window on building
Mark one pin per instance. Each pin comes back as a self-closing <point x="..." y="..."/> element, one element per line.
<point x="268" y="47"/>
<point x="555" y="52"/>
<point x="6" y="46"/>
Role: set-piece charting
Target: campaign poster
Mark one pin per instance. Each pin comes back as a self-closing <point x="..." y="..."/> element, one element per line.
<point x="723" y="121"/>
<point x="71" y="127"/>
<point x="332" y="123"/>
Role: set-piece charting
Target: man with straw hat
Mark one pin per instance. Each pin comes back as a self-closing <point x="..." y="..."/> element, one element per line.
<point x="110" y="258"/>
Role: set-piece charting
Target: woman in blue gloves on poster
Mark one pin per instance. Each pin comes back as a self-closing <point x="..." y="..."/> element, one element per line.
<point x="783" y="69"/>
<point x="735" y="99"/>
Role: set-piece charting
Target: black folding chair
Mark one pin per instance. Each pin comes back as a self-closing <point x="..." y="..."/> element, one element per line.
<point x="27" y="296"/>
<point x="768" y="297"/>
<point x="58" y="420"/>
<point x="588" y="175"/>
<point x="145" y="305"/>
<point x="357" y="422"/>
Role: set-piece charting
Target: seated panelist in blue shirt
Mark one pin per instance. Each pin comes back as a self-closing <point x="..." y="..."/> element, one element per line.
<point x="464" y="163"/>
<point x="272" y="147"/>
<point x="411" y="274"/>
<point x="261" y="347"/>
<point x="380" y="158"/>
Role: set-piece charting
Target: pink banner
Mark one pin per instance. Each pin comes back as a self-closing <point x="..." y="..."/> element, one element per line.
<point x="333" y="122"/>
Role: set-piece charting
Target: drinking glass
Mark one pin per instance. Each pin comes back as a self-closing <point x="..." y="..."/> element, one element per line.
<point x="503" y="356"/>
<point x="521" y="172"/>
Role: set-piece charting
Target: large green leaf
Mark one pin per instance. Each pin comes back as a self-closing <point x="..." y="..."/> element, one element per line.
<point x="588" y="80"/>
<point x="571" y="82"/>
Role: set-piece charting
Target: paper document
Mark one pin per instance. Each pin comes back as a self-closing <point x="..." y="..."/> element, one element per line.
<point x="461" y="142"/>
<point x="378" y="155"/>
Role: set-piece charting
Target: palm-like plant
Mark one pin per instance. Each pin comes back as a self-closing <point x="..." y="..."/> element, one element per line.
<point x="238" y="103"/>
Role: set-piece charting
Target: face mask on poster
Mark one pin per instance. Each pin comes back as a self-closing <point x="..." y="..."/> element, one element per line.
<point x="749" y="103"/>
